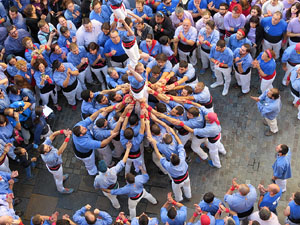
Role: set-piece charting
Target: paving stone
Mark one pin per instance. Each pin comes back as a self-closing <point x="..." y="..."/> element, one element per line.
<point x="87" y="184"/>
<point x="42" y="204"/>
<point x="23" y="190"/>
<point x="161" y="196"/>
<point x="76" y="200"/>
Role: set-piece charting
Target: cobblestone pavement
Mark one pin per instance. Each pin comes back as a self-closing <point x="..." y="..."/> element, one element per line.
<point x="250" y="156"/>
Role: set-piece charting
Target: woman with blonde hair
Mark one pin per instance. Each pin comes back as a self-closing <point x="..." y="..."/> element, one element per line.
<point x="24" y="69"/>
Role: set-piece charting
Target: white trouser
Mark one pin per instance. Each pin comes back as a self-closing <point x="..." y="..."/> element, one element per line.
<point x="214" y="149"/>
<point x="105" y="153"/>
<point x="272" y="124"/>
<point x="184" y="138"/>
<point x="292" y="43"/>
<point x="45" y="97"/>
<point x="288" y="222"/>
<point x="89" y="163"/>
<point x="120" y="13"/>
<point x="119" y="149"/>
<point x="5" y="166"/>
<point x="86" y="74"/>
<point x="206" y="61"/>
<point x="274" y="46"/>
<point x="227" y="76"/>
<point x="281" y="183"/>
<point x="243" y="80"/>
<point x="289" y="68"/>
<point x="25" y="134"/>
<point x="294" y="102"/>
<point x="186" y="185"/>
<point x="70" y="96"/>
<point x="142" y="94"/>
<point x="58" y="177"/>
<point x="100" y="74"/>
<point x="266" y="84"/>
<point x="119" y="64"/>
<point x="133" y="54"/>
<point x="210" y="109"/>
<point x="157" y="162"/>
<point x="187" y="57"/>
<point x="196" y="142"/>
<point x="113" y="199"/>
<point x="133" y="203"/>
<point x="139" y="160"/>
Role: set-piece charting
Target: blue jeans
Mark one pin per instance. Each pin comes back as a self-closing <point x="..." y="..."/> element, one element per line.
<point x="28" y="169"/>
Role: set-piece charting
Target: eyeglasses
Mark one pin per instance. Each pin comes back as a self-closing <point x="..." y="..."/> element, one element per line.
<point x="13" y="32"/>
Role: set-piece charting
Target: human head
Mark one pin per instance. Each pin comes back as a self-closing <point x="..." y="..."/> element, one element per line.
<point x="245" y="49"/>
<point x="161" y="60"/>
<point x="101" y="99"/>
<point x="210" y="26"/>
<point x="208" y="197"/>
<point x="87" y="95"/>
<point x="74" y="48"/>
<point x="199" y="87"/>
<point x="40" y="65"/>
<point x="172" y="213"/>
<point x="29" y="10"/>
<point x="101" y="123"/>
<point x="274" y="2"/>
<point x="70" y="5"/>
<point x="21" y="65"/>
<point x="186" y="91"/>
<point x="133" y="119"/>
<point x="192" y="112"/>
<point x="177" y="111"/>
<point x="79" y="131"/>
<point x="175" y="160"/>
<point x="264" y="213"/>
<point x="27" y="42"/>
<point x="161" y="107"/>
<point x="179" y="12"/>
<point x="114" y="96"/>
<point x="220" y="46"/>
<point x="277" y="16"/>
<point x="12" y="31"/>
<point x="13" y="12"/>
<point x="143" y="219"/>
<point x="186" y="24"/>
<point x="255" y="11"/>
<point x="102" y="166"/>
<point x="65" y="31"/>
<point x="149" y="39"/>
<point x="62" y="21"/>
<point x="139" y="5"/>
<point x="223" y="9"/>
<point x="273" y="189"/>
<point x="282" y="149"/>
<point x="297" y="197"/>
<point x="57" y="65"/>
<point x="3" y="120"/>
<point x="167" y="2"/>
<point x="19" y="151"/>
<point x="273" y="93"/>
<point x="90" y="217"/>
<point x="206" y="16"/>
<point x="130" y="178"/>
<point x="268" y="55"/>
<point x="240" y="34"/>
<point x="114" y="36"/>
<point x="155" y="71"/>
<point x="87" y="24"/>
<point x="111" y="71"/>
<point x="97" y="7"/>
<point x="37" y="219"/>
<point x="159" y="16"/>
<point x="167" y="138"/>
<point x="236" y="11"/>
<point x="205" y="220"/>
<point x="244" y="189"/>
<point x="128" y="133"/>
<point x="254" y="21"/>
<point x="105" y="28"/>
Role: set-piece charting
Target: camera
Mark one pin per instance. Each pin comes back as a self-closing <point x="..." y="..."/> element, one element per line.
<point x="53" y="31"/>
<point x="159" y="26"/>
<point x="19" y="109"/>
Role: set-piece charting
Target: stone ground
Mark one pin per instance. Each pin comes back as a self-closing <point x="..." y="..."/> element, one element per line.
<point x="249" y="158"/>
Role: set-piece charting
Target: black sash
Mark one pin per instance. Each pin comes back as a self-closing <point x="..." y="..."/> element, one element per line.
<point x="213" y="139"/>
<point x="83" y="67"/>
<point x="134" y="155"/>
<point x="137" y="196"/>
<point x="244" y="214"/>
<point x="119" y="58"/>
<point x="244" y="73"/>
<point x="47" y="88"/>
<point x="81" y="154"/>
<point x="295" y="39"/>
<point x="295" y="92"/>
<point x="70" y="87"/>
<point x="180" y="179"/>
<point x="99" y="65"/>
<point x="296" y="221"/>
<point x="182" y="131"/>
<point x="205" y="50"/>
<point x="209" y="104"/>
<point x="54" y="168"/>
<point x="187" y="48"/>
<point x="293" y="64"/>
<point x="272" y="39"/>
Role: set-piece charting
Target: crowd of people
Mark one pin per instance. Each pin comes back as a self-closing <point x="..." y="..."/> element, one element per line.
<point x="143" y="57"/>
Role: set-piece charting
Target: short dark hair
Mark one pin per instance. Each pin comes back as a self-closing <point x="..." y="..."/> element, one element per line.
<point x="149" y="36"/>
<point x="41" y="149"/>
<point x="225" y="5"/>
<point x="130" y="178"/>
<point x="105" y="26"/>
<point x="93" y="46"/>
<point x="143" y="220"/>
<point x="254" y="19"/>
<point x="275" y="93"/>
<point x="133" y="119"/>
<point x="284" y="149"/>
<point x="128" y="133"/>
<point x="17" y="151"/>
<point x="85" y="95"/>
<point x="175" y="160"/>
<point x="100" y="122"/>
<point x="221" y="43"/>
<point x="10" y="28"/>
<point x="248" y="47"/>
<point x="183" y="64"/>
<point x="76" y="131"/>
<point x="99" y="98"/>
<point x="168" y="138"/>
<point x="128" y="20"/>
<point x="172" y="213"/>
<point x="179" y="109"/>
<point x="194" y="111"/>
<point x="161" y="57"/>
<point x="161" y="107"/>
<point x="297" y="197"/>
<point x="211" y="24"/>
<point x="13" y="9"/>
<point x="155" y="129"/>
<point x="62" y="222"/>
<point x="155" y="69"/>
<point x="63" y="29"/>
<point x="56" y="64"/>
<point x="85" y="21"/>
<point x="208" y="197"/>
<point x="264" y="213"/>
<point x="189" y="89"/>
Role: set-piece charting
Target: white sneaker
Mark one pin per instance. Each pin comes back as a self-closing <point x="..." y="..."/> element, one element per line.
<point x="225" y="92"/>
<point x="216" y="84"/>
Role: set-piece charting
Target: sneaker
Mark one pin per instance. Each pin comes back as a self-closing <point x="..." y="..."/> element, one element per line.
<point x="74" y="107"/>
<point x="214" y="85"/>
<point x="67" y="191"/>
<point x="241" y="94"/>
<point x="225" y="92"/>
<point x="65" y="177"/>
<point x="269" y="133"/>
<point x="210" y="163"/>
<point x="188" y="159"/>
<point x="202" y="71"/>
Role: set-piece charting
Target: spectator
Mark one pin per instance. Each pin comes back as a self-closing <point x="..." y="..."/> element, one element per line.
<point x="88" y="32"/>
<point x="13" y="43"/>
<point x="73" y="13"/>
<point x="16" y="18"/>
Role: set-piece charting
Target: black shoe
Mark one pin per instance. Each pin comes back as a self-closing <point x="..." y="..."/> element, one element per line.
<point x="17" y="201"/>
<point x="19" y="213"/>
<point x="241" y="94"/>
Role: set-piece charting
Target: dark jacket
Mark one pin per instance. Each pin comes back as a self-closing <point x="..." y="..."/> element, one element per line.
<point x="259" y="33"/>
<point x="166" y="25"/>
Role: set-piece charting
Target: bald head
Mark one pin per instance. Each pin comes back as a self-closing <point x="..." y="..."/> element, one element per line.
<point x="90" y="217"/>
<point x="273" y="189"/>
<point x="186" y="24"/>
<point x="244" y="189"/>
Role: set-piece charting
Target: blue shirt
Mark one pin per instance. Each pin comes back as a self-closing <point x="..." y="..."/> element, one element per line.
<point x="154" y="50"/>
<point x="6" y="133"/>
<point x="167" y="67"/>
<point x="167" y="10"/>
<point x="15" y="45"/>
<point x="104" y="15"/>
<point x="102" y="39"/>
<point x="92" y="57"/>
<point x="125" y="37"/>
<point x="191" y="6"/>
<point x="59" y="77"/>
<point x="273" y="30"/>
<point x="267" y="67"/>
<point x="101" y="133"/>
<point x="212" y="220"/>
<point x="179" y="170"/>
<point x="168" y="149"/>
<point x="146" y="10"/>
<point x="86" y="142"/>
<point x="51" y="158"/>
<point x="38" y="75"/>
<point x="210" y="130"/>
<point x="295" y="82"/>
<point x="134" y="83"/>
<point x="4" y="185"/>
<point x="269" y="108"/>
<point x="179" y="219"/>
<point x="5" y="102"/>
<point x="234" y="43"/>
<point x="19" y="22"/>
<point x="225" y="57"/>
<point x="79" y="218"/>
<point x="190" y="73"/>
<point x="62" y="40"/>
<point x="271" y="202"/>
<point x="109" y="46"/>
<point x="282" y="166"/>
<point x="290" y="55"/>
<point x="239" y="203"/>
<point x="136" y="141"/>
<point x="68" y="15"/>
<point x="212" y="38"/>
<point x="54" y="56"/>
<point x="76" y="59"/>
<point x="212" y="207"/>
<point x="294" y="210"/>
<point x="132" y="190"/>
<point x="246" y="60"/>
<point x="24" y="3"/>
